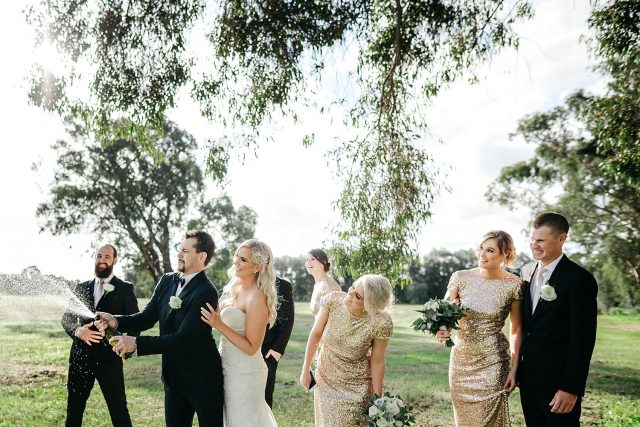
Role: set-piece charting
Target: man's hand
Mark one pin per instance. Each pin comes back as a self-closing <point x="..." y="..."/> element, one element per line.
<point x="123" y="344"/>
<point x="105" y="320"/>
<point x="87" y="335"/>
<point x="273" y="354"/>
<point x="563" y="402"/>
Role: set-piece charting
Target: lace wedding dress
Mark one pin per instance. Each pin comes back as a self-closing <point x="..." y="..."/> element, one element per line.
<point x="245" y="378"/>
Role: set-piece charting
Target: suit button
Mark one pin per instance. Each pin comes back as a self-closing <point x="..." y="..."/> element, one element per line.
<point x="528" y="334"/>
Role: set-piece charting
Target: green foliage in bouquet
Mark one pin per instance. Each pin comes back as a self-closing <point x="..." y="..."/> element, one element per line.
<point x="437" y="314"/>
<point x="388" y="411"/>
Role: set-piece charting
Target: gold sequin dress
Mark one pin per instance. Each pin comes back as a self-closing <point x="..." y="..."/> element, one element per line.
<point x="480" y="358"/>
<point x="320" y="290"/>
<point x="343" y="372"/>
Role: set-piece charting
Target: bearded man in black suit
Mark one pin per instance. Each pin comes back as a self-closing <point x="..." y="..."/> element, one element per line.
<point x="191" y="368"/>
<point x="559" y="324"/>
<point x="276" y="338"/>
<point x="91" y="356"/>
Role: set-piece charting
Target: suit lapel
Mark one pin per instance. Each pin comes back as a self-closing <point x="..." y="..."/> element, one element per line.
<point x="191" y="285"/>
<point x="172" y="291"/>
<point x="554" y="279"/>
<point x="90" y="288"/>
<point x="106" y="298"/>
<point x="526" y="291"/>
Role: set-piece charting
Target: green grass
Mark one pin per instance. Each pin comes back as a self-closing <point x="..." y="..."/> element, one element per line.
<point x="33" y="364"/>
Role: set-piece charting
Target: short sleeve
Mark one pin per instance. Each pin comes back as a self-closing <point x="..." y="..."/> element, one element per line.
<point x="517" y="289"/>
<point x="384" y="327"/>
<point x="454" y="282"/>
<point x="331" y="300"/>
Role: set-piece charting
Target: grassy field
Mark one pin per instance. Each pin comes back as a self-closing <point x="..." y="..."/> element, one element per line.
<point x="34" y="353"/>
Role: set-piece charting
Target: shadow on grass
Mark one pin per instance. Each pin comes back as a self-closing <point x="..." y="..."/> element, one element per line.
<point x="34" y="328"/>
<point x="614" y="379"/>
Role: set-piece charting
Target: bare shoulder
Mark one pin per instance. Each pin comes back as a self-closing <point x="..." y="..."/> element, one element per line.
<point x="256" y="299"/>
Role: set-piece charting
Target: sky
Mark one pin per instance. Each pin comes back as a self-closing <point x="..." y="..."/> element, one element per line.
<point x="292" y="187"/>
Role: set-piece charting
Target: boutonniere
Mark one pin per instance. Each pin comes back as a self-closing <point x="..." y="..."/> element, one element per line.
<point x="547" y="292"/>
<point x="175" y="303"/>
<point x="108" y="287"/>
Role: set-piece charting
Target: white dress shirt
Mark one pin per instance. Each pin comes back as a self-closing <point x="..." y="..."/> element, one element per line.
<point x="539" y="281"/>
<point x="186" y="279"/>
<point x="98" y="288"/>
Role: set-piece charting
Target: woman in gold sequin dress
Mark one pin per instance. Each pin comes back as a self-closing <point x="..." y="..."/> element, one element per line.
<point x="355" y="329"/>
<point x="318" y="266"/>
<point x="483" y="364"/>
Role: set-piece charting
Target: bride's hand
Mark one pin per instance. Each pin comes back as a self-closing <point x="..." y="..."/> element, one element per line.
<point x="211" y="317"/>
<point x="305" y="379"/>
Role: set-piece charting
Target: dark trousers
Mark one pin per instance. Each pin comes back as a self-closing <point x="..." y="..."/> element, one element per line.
<point x="83" y="371"/>
<point x="272" y="365"/>
<point x="179" y="408"/>
<point x="537" y="412"/>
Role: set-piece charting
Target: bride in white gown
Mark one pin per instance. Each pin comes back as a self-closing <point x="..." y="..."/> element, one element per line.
<point x="247" y="304"/>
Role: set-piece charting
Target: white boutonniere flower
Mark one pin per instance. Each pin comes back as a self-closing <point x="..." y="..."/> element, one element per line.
<point x="547" y="292"/>
<point x="175" y="303"/>
<point x="108" y="287"/>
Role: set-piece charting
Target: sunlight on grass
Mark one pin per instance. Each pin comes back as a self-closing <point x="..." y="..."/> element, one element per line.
<point x="34" y="363"/>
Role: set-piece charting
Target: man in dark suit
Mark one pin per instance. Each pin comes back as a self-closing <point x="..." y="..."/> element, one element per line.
<point x="191" y="368"/>
<point x="276" y="338"/>
<point x="559" y="324"/>
<point x="91" y="356"/>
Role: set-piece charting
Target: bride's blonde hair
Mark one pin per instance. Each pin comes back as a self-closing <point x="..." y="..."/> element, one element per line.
<point x="265" y="280"/>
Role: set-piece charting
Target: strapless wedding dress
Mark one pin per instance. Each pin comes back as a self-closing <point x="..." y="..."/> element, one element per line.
<point x="245" y="378"/>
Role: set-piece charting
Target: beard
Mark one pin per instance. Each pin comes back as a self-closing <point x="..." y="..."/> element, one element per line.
<point x="103" y="272"/>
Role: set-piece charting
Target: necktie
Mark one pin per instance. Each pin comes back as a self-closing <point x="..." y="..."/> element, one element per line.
<point x="180" y="287"/>
<point x="535" y="290"/>
<point x="98" y="291"/>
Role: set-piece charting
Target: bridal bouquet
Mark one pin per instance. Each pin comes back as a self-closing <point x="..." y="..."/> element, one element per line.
<point x="439" y="314"/>
<point x="388" y="411"/>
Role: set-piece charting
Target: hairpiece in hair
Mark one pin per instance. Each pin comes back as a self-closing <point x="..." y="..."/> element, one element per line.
<point x="262" y="258"/>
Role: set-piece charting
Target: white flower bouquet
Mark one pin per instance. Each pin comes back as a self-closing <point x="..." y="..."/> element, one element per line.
<point x="388" y="411"/>
<point x="439" y="314"/>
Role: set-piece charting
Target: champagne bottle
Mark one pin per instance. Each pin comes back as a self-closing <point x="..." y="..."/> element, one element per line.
<point x="110" y="333"/>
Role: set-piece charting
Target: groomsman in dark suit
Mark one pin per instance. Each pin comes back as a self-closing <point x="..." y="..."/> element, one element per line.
<point x="277" y="337"/>
<point x="191" y="368"/>
<point x="91" y="356"/>
<point x="559" y="324"/>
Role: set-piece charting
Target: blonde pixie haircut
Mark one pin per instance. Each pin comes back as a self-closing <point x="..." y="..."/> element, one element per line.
<point x="265" y="278"/>
<point x="378" y="293"/>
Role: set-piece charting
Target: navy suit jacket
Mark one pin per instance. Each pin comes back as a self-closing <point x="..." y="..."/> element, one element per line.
<point x="277" y="337"/>
<point x="190" y="359"/>
<point x="560" y="335"/>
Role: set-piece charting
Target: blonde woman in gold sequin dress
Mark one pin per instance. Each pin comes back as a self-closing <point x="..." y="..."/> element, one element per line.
<point x="318" y="266"/>
<point x="355" y="329"/>
<point x="483" y="364"/>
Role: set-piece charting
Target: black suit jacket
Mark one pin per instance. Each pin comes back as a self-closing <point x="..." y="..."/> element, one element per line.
<point x="190" y="359"/>
<point x="560" y="335"/>
<point x="277" y="337"/>
<point x="121" y="300"/>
